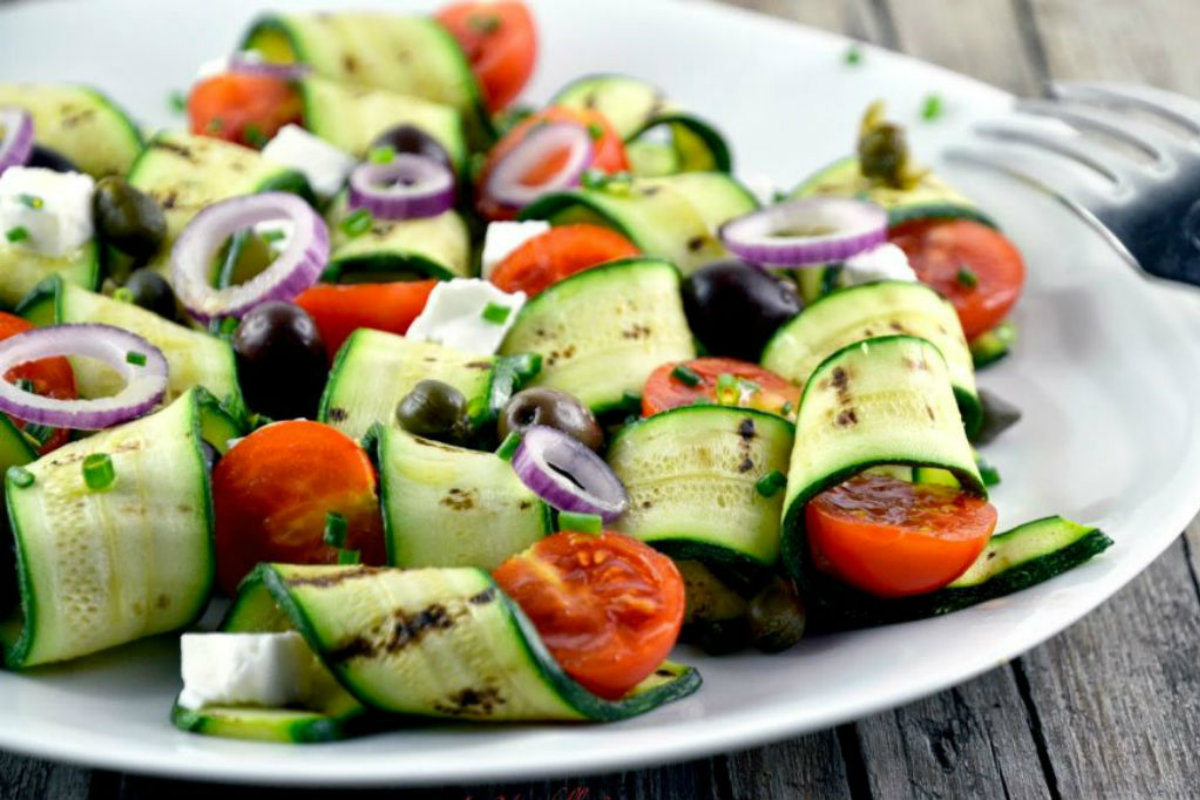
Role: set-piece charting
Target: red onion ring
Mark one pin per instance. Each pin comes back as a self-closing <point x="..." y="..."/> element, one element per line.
<point x="250" y="63"/>
<point x="806" y="232"/>
<point x="567" y="475"/>
<point x="293" y="271"/>
<point x="145" y="384"/>
<point x="506" y="183"/>
<point x="16" y="144"/>
<point x="407" y="187"/>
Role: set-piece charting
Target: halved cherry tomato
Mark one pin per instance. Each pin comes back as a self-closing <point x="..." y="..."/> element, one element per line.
<point x="976" y="267"/>
<point x="50" y="377"/>
<point x="242" y="108"/>
<point x="609" y="154"/>
<point x="500" y="41"/>
<point x="341" y="309"/>
<point x="271" y="493"/>
<point x="700" y="380"/>
<point x="557" y="254"/>
<point x="892" y="538"/>
<point x="608" y="607"/>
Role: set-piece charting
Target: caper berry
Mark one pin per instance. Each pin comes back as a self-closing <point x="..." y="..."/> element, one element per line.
<point x="148" y="289"/>
<point x="128" y="219"/>
<point x="776" y="617"/>
<point x="883" y="154"/>
<point x="435" y="410"/>
<point x="553" y="409"/>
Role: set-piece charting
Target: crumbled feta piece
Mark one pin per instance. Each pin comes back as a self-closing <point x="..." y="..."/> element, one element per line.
<point x="325" y="166"/>
<point x="887" y="262"/>
<point x="271" y="670"/>
<point x="762" y="187"/>
<point x="467" y="314"/>
<point x="502" y="238"/>
<point x="45" y="211"/>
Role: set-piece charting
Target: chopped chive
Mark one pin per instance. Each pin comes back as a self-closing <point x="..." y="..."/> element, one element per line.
<point x="335" y="529"/>
<point x="39" y="433"/>
<point x="967" y="277"/>
<point x="272" y="236"/>
<point x="357" y="223"/>
<point x="770" y="484"/>
<point x="509" y="446"/>
<point x="214" y="125"/>
<point x="484" y="23"/>
<point x="631" y="399"/>
<point x="726" y="383"/>
<point x="227" y="326"/>
<point x="854" y="54"/>
<point x="17" y="234"/>
<point x="177" y="101"/>
<point x="25" y="385"/>
<point x="382" y="155"/>
<point x="989" y="474"/>
<point x="20" y="477"/>
<point x="349" y="557"/>
<point x="932" y="107"/>
<point x="787" y="409"/>
<point x="583" y="523"/>
<point x="593" y="179"/>
<point x="98" y="472"/>
<point x="31" y="201"/>
<point x="135" y="358"/>
<point x="122" y="295"/>
<point x="254" y="136"/>
<point x="596" y="131"/>
<point x="685" y="375"/>
<point x="496" y="313"/>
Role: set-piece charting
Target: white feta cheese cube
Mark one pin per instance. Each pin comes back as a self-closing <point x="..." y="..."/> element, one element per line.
<point x="502" y="238"/>
<point x="271" y="670"/>
<point x="887" y="262"/>
<point x="467" y="314"/>
<point x="325" y="166"/>
<point x="45" y="211"/>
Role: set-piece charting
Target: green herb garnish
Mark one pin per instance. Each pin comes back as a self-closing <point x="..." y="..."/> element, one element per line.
<point x="349" y="558"/>
<point x="335" y="530"/>
<point x="685" y="375"/>
<point x="509" y="446"/>
<point x="967" y="277"/>
<point x="254" y="136"/>
<point x="273" y="235"/>
<point x="932" y="107"/>
<point x="26" y="385"/>
<point x="787" y="408"/>
<point x="484" y="23"/>
<point x="214" y="125"/>
<point x="854" y="54"/>
<point x="357" y="223"/>
<point x="17" y="234"/>
<point x="135" y="358"/>
<point x="177" y="101"/>
<point x="98" y="472"/>
<point x="39" y="433"/>
<point x="382" y="155"/>
<point x="20" y="477"/>
<point x="122" y="295"/>
<point x="596" y="131"/>
<point x="583" y="523"/>
<point x="31" y="201"/>
<point x="496" y="313"/>
<point x="770" y="484"/>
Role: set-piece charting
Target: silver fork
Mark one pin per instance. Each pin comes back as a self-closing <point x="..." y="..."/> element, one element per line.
<point x="1149" y="207"/>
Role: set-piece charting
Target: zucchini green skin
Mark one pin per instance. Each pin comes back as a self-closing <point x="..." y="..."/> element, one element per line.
<point x="993" y="346"/>
<point x="405" y="54"/>
<point x="21" y="271"/>
<point x="80" y="123"/>
<point x="444" y="643"/>
<point x="931" y="198"/>
<point x="876" y="309"/>
<point x="432" y="247"/>
<point x="635" y="107"/>
<point x="446" y="506"/>
<point x="100" y="569"/>
<point x="220" y="422"/>
<point x="877" y="402"/>
<point x="674" y="218"/>
<point x="194" y="358"/>
<point x="692" y="474"/>
<point x="601" y="332"/>
<point x="374" y="370"/>
<point x="186" y="174"/>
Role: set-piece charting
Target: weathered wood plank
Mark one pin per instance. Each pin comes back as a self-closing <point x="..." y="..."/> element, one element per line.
<point x="810" y="767"/>
<point x="22" y="778"/>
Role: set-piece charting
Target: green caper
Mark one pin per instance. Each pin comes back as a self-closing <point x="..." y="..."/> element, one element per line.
<point x="128" y="219"/>
<point x="719" y="637"/>
<point x="883" y="153"/>
<point x="554" y="409"/>
<point x="776" y="617"/>
<point x="435" y="410"/>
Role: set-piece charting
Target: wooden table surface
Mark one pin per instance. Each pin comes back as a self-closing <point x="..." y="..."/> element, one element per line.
<point x="1110" y="708"/>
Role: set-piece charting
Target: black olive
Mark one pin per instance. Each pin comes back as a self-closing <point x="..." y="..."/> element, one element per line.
<point x="411" y="139"/>
<point x="281" y="358"/>
<point x="718" y="637"/>
<point x="998" y="416"/>
<point x="46" y="158"/>
<point x="734" y="307"/>
<point x="128" y="219"/>
<point x="148" y="289"/>
<point x="435" y="410"/>
<point x="554" y="409"/>
<point x="776" y="617"/>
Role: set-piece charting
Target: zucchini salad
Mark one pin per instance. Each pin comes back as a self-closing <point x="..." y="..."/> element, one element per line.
<point x="451" y="407"/>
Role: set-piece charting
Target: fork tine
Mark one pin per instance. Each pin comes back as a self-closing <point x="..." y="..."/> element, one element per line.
<point x="1074" y="148"/>
<point x="1102" y="122"/>
<point x="1180" y="110"/>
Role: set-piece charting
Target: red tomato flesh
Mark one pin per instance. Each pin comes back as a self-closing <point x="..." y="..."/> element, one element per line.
<point x="243" y="108"/>
<point x="892" y="538"/>
<point x="608" y="607"/>
<point x="557" y="254"/>
<point x="340" y="309"/>
<point x="751" y="387"/>
<point x="50" y="377"/>
<point x="500" y="41"/>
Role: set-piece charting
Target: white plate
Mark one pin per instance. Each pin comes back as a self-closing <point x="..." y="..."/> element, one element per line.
<point x="1106" y="372"/>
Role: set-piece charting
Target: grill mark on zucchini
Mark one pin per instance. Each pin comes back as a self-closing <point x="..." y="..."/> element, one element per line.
<point x="176" y="148"/>
<point x="332" y="579"/>
<point x="337" y="414"/>
<point x="489" y="595"/>
<point x="400" y="632"/>
<point x="470" y="701"/>
<point x="746" y="430"/>
<point x="459" y="499"/>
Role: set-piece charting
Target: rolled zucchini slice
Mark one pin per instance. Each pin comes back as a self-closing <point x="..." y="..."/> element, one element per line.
<point x="995" y="345"/>
<point x="405" y="54"/>
<point x="375" y="370"/>
<point x="80" y="123"/>
<point x="446" y="506"/>
<point x="194" y="358"/>
<point x="430" y="247"/>
<point x="21" y="270"/>
<point x="185" y="174"/>
<point x="876" y="309"/>
<point x="601" y="332"/>
<point x="693" y="476"/>
<point x="98" y="569"/>
<point x="638" y="110"/>
<point x="444" y="643"/>
<point x="675" y="218"/>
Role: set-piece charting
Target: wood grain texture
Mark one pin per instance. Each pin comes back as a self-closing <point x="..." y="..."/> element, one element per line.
<point x="22" y="778"/>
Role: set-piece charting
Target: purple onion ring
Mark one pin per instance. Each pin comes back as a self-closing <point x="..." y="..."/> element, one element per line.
<point x="506" y="184"/>
<point x="250" y="63"/>
<point x="806" y="232"/>
<point x="567" y="475"/>
<point x="16" y="137"/>
<point x="407" y="187"/>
